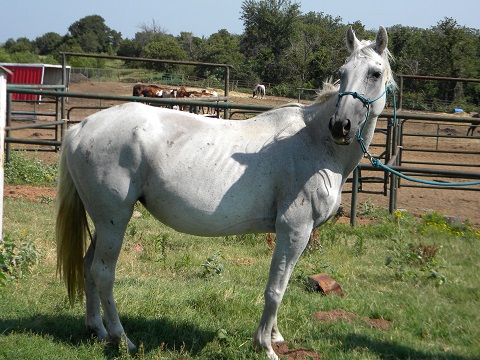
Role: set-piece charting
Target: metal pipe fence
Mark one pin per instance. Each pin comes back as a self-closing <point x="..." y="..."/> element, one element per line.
<point x="393" y="147"/>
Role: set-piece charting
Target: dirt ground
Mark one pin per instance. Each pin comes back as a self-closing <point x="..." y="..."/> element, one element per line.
<point x="461" y="205"/>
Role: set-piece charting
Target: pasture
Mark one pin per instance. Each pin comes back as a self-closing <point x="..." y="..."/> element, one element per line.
<point x="393" y="269"/>
<point x="184" y="297"/>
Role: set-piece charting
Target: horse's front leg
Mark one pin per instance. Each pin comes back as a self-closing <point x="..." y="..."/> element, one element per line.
<point x="290" y="245"/>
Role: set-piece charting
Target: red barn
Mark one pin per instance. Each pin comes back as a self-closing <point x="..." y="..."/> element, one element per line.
<point x="35" y="74"/>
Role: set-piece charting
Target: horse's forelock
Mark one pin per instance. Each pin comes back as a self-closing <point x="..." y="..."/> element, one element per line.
<point x="368" y="51"/>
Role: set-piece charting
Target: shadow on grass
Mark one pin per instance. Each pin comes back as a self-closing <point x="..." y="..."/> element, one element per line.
<point x="392" y="350"/>
<point x="154" y="334"/>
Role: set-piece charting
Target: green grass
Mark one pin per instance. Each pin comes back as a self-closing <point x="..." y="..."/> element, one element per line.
<point x="174" y="308"/>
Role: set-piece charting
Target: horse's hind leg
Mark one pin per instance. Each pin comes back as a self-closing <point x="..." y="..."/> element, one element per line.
<point x="93" y="321"/>
<point x="109" y="236"/>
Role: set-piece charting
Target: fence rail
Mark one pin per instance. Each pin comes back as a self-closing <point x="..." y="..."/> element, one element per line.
<point x="391" y="146"/>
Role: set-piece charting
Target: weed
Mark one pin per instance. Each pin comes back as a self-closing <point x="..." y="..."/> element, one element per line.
<point x="245" y="239"/>
<point x="359" y="246"/>
<point x="160" y="245"/>
<point x="415" y="261"/>
<point x="45" y="199"/>
<point x="26" y="170"/>
<point x="435" y="223"/>
<point x="16" y="257"/>
<point x="212" y="267"/>
<point x="184" y="263"/>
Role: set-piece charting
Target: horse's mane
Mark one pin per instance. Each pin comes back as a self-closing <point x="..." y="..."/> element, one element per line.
<point x="328" y="90"/>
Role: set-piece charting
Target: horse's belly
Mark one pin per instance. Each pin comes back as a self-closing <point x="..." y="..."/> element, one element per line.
<point x="218" y="205"/>
<point x="197" y="216"/>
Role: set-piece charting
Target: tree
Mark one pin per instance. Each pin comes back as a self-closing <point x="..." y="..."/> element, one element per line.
<point x="318" y="50"/>
<point x="20" y="45"/>
<point x="270" y="27"/>
<point x="164" y="47"/>
<point x="451" y="52"/>
<point x="94" y="36"/>
<point x="192" y="45"/>
<point x="222" y="48"/>
<point x="147" y="31"/>
<point x="408" y="45"/>
<point x="5" y="56"/>
<point x="47" y="43"/>
<point x="129" y="48"/>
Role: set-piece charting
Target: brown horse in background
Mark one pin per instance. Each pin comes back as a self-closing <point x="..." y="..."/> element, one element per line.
<point x="153" y="91"/>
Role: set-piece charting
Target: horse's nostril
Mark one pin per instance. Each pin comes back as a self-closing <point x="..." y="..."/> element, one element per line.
<point x="330" y="124"/>
<point x="346" y="126"/>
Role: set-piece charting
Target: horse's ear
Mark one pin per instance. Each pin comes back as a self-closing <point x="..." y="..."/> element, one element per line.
<point x="352" y="41"/>
<point x="381" y="40"/>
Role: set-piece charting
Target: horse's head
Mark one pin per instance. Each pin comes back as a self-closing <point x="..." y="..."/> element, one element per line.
<point x="363" y="82"/>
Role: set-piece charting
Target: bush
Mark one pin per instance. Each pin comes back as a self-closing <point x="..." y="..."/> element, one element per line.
<point x="16" y="258"/>
<point x="25" y="170"/>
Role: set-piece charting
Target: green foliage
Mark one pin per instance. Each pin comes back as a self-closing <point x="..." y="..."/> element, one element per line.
<point x="164" y="47"/>
<point x="48" y="43"/>
<point x="418" y="258"/>
<point x="28" y="170"/>
<point x="212" y="267"/>
<point x="435" y="224"/>
<point x="279" y="46"/>
<point x="221" y="48"/>
<point x="415" y="261"/>
<point x="270" y="29"/>
<point x="16" y="257"/>
<point x="93" y="35"/>
<point x="4" y="55"/>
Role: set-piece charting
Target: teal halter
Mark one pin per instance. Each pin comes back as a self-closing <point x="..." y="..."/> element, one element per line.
<point x="376" y="163"/>
<point x="366" y="102"/>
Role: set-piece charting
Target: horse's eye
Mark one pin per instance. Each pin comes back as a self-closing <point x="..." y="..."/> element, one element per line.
<point x="377" y="74"/>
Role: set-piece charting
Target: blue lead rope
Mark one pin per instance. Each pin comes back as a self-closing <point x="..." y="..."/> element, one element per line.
<point x="376" y="163"/>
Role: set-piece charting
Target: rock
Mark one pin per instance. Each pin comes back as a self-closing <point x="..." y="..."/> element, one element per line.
<point x="325" y="284"/>
<point x="137" y="215"/>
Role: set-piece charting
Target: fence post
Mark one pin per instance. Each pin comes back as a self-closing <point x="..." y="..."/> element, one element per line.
<point x="353" y="205"/>
<point x="3" y="114"/>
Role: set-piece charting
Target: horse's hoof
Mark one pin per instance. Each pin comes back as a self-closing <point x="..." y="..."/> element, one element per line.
<point x="100" y="334"/>
<point x="271" y="355"/>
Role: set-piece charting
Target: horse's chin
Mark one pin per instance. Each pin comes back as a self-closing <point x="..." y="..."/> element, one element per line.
<point x="342" y="140"/>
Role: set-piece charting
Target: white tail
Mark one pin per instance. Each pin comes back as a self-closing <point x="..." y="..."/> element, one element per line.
<point x="70" y="231"/>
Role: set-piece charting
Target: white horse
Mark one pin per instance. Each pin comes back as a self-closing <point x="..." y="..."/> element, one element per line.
<point x="259" y="91"/>
<point x="281" y="171"/>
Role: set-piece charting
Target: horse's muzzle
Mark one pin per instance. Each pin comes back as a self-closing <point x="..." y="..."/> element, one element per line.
<point x="340" y="130"/>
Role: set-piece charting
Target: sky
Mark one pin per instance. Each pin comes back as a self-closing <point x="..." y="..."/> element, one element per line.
<point x="33" y="18"/>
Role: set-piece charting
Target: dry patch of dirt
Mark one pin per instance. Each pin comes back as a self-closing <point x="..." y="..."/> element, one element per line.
<point x="282" y="350"/>
<point x="30" y="193"/>
<point x="342" y="315"/>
